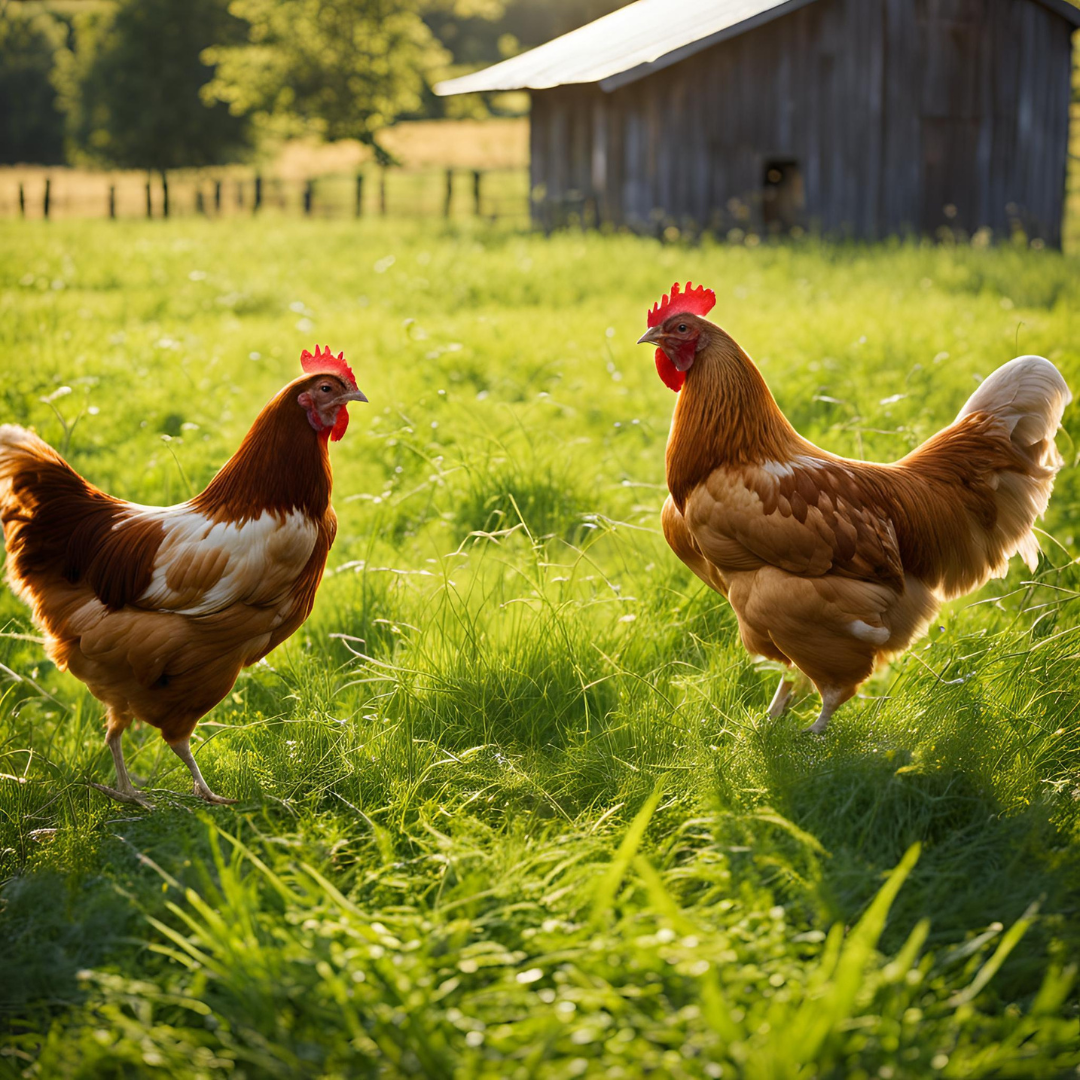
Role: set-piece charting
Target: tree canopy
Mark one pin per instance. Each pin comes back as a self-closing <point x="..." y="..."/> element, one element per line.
<point x="132" y="86"/>
<point x="31" y="125"/>
<point x="341" y="69"/>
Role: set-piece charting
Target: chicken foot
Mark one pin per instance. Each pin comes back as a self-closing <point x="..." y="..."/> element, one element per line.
<point x="781" y="698"/>
<point x="125" y="790"/>
<point x="790" y="685"/>
<point x="183" y="751"/>
<point x="831" y="700"/>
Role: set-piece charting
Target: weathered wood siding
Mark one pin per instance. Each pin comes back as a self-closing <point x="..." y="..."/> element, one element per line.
<point x="903" y="115"/>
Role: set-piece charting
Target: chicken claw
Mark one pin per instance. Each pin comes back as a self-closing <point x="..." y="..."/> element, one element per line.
<point x="831" y="700"/>
<point x="183" y="751"/>
<point x="132" y="796"/>
<point x="218" y="800"/>
<point x="125" y="789"/>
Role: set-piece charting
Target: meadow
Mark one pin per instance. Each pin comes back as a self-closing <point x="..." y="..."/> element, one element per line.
<point x="509" y="802"/>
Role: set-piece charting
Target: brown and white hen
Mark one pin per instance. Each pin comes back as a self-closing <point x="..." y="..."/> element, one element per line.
<point x="834" y="565"/>
<point x="157" y="609"/>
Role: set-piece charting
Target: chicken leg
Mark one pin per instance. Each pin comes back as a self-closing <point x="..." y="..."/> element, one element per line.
<point x="831" y="700"/>
<point x="791" y="683"/>
<point x="781" y="698"/>
<point x="115" y="726"/>
<point x="182" y="750"/>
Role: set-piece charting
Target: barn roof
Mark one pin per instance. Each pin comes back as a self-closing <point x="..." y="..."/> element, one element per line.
<point x="637" y="40"/>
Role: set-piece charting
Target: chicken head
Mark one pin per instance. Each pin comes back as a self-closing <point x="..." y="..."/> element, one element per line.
<point x="325" y="398"/>
<point x="675" y="328"/>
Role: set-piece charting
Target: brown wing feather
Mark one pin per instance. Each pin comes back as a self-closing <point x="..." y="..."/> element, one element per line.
<point x="686" y="547"/>
<point x="809" y="517"/>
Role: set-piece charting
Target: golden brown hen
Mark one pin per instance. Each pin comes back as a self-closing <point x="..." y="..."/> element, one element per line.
<point x="834" y="565"/>
<point x="157" y="609"/>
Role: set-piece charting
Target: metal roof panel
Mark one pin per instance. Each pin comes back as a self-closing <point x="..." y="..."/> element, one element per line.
<point x="638" y="34"/>
<point x="1065" y="9"/>
<point x="637" y="40"/>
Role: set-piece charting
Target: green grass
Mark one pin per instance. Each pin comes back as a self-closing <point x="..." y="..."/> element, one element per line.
<point x="508" y="803"/>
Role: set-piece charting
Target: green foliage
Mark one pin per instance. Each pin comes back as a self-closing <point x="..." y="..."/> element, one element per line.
<point x="132" y="86"/>
<point x="485" y="33"/>
<point x="341" y="69"/>
<point x="31" y="125"/>
<point x="509" y="803"/>
<point x="659" y="980"/>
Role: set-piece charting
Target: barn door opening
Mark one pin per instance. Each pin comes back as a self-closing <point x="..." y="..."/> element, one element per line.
<point x="950" y="148"/>
<point x="955" y="88"/>
<point x="783" y="200"/>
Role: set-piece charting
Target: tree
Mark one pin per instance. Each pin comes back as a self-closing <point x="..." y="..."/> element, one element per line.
<point x="132" y="86"/>
<point x="341" y="69"/>
<point x="31" y="125"/>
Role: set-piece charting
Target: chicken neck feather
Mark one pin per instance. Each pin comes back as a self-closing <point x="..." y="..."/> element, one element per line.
<point x="725" y="415"/>
<point x="281" y="465"/>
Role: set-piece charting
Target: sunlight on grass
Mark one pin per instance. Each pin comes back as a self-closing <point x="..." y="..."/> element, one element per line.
<point x="509" y="805"/>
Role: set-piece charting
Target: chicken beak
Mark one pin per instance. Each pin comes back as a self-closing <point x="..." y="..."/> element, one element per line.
<point x="651" y="337"/>
<point x="352" y="395"/>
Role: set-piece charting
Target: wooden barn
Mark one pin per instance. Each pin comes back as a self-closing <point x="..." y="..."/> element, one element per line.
<point x="864" y="118"/>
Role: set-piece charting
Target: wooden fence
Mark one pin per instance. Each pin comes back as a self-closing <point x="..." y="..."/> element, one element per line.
<point x="491" y="194"/>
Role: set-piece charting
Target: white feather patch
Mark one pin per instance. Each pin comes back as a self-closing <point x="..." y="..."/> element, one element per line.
<point x="878" y="635"/>
<point x="777" y="468"/>
<point x="256" y="561"/>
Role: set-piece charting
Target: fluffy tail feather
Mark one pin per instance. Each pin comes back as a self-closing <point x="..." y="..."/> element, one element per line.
<point x="988" y="477"/>
<point x="26" y="460"/>
<point x="23" y="456"/>
<point x="1029" y="395"/>
<point x="53" y="520"/>
<point x="32" y="474"/>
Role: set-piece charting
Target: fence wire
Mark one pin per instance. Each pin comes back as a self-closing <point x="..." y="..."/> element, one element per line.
<point x="494" y="194"/>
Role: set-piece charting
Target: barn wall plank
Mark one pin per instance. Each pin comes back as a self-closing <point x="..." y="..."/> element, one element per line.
<point x="893" y="109"/>
<point x="539" y="159"/>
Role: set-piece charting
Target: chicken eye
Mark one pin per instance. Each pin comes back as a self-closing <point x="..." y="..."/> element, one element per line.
<point x="682" y="328"/>
<point x="326" y="388"/>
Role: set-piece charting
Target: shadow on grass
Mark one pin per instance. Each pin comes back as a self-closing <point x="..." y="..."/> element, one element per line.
<point x="983" y="863"/>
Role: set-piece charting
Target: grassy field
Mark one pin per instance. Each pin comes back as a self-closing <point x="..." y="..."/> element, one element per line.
<point x="509" y="805"/>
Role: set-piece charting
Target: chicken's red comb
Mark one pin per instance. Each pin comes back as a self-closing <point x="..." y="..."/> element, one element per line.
<point x="699" y="301"/>
<point x="326" y="363"/>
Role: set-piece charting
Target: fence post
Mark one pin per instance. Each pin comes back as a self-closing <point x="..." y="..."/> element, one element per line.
<point x="149" y="201"/>
<point x="258" y="193"/>
<point x="476" y="191"/>
<point x="449" y="192"/>
<point x="359" y="194"/>
<point x="240" y="193"/>
<point x="217" y="196"/>
<point x="309" y="196"/>
<point x="112" y="202"/>
<point x="22" y="202"/>
<point x="382" y="191"/>
<point x="200" y="204"/>
<point x="48" y="197"/>
<point x="164" y="194"/>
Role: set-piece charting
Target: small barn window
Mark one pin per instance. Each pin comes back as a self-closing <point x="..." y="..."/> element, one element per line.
<point x="782" y="198"/>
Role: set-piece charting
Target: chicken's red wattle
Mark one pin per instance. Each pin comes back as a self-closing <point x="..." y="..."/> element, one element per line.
<point x="671" y="376"/>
